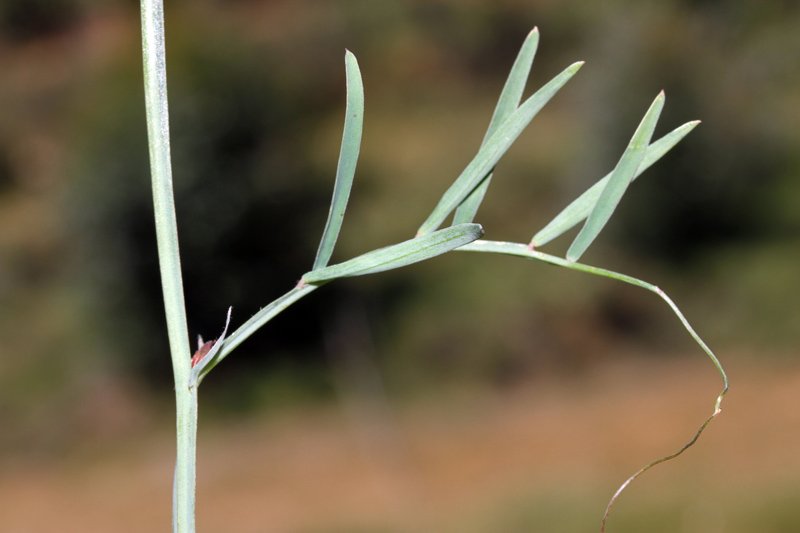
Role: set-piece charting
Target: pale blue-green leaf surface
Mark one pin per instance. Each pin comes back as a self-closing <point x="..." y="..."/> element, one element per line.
<point x="398" y="255"/>
<point x="494" y="148"/>
<point x="580" y="208"/>
<point x="348" y="157"/>
<point x="509" y="100"/>
<point x="618" y="182"/>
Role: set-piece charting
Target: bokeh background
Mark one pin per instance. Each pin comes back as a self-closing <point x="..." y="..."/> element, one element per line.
<point x="469" y="393"/>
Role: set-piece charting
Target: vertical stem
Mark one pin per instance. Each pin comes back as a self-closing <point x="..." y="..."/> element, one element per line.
<point x="183" y="490"/>
<point x="155" y="83"/>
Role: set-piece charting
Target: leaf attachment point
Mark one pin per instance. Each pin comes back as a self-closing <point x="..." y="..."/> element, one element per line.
<point x="201" y="360"/>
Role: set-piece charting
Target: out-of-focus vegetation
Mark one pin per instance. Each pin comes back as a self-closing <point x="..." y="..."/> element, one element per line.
<point x="257" y="92"/>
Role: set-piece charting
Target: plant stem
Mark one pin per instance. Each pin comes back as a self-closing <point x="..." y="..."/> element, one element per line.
<point x="155" y="83"/>
<point x="521" y="250"/>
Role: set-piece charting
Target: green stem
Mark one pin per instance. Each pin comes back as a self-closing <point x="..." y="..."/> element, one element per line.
<point x="155" y="84"/>
<point x="521" y="250"/>
<point x="184" y="482"/>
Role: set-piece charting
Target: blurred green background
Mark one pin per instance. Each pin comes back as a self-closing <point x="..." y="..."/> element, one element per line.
<point x="257" y="98"/>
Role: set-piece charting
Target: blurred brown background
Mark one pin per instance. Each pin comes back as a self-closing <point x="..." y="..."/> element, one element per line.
<point x="469" y="393"/>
